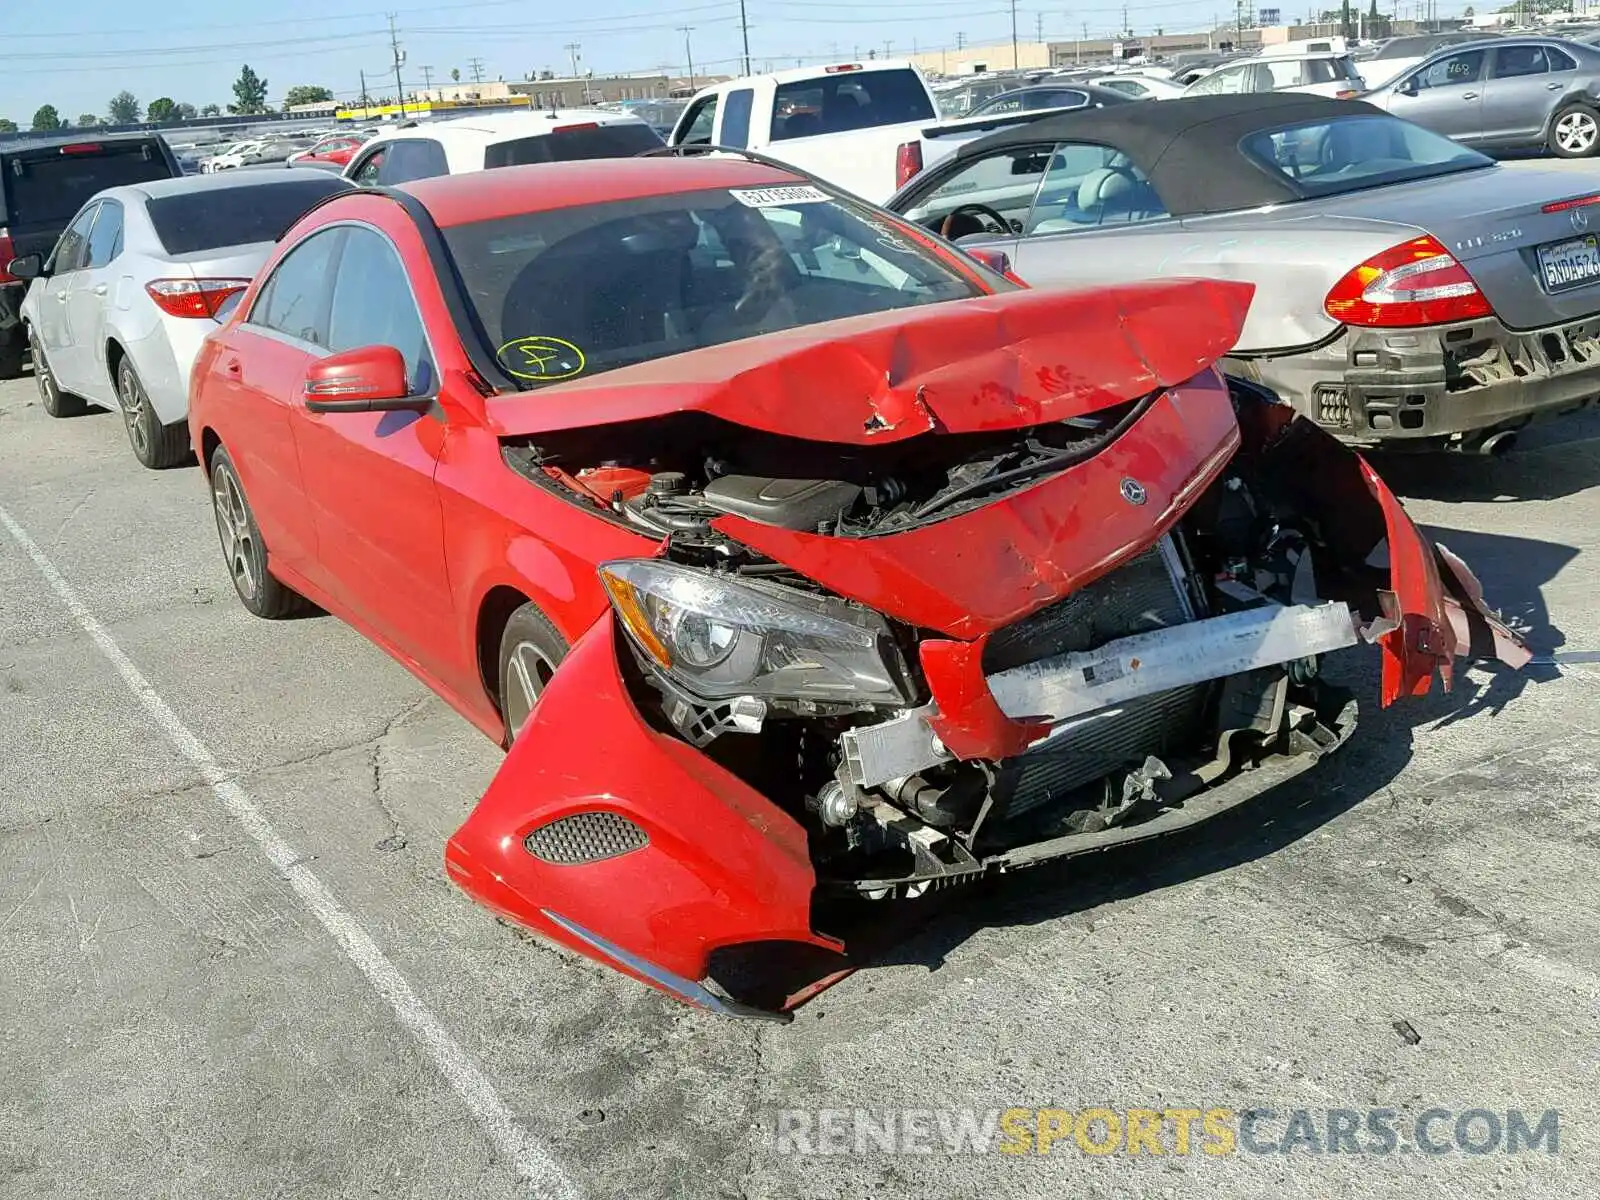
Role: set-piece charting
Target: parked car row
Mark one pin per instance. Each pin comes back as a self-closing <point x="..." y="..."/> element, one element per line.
<point x="804" y="561"/>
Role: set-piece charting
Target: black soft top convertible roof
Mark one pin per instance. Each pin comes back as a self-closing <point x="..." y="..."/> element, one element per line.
<point x="1188" y="148"/>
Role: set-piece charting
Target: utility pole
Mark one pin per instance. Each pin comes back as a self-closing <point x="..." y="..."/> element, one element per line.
<point x="1127" y="31"/>
<point x="1015" y="60"/>
<point x="399" y="87"/>
<point x="688" y="52"/>
<point x="572" y="48"/>
<point x="887" y="46"/>
<point x="961" y="41"/>
<point x="1038" y="27"/>
<point x="475" y="65"/>
<point x="365" y="102"/>
<point x="744" y="30"/>
<point x="427" y="77"/>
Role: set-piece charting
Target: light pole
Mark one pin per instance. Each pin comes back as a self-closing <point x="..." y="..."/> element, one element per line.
<point x="688" y="52"/>
<point x="572" y="48"/>
<point x="1014" y="59"/>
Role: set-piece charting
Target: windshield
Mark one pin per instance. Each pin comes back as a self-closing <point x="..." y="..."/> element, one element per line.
<point x="1351" y="154"/>
<point x="582" y="290"/>
<point x="235" y="216"/>
<point x="621" y="140"/>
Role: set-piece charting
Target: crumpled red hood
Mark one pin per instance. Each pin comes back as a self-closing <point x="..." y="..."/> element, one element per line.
<point x="997" y="362"/>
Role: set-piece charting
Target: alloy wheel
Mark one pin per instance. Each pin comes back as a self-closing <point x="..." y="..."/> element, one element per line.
<point x="1577" y="132"/>
<point x="233" y="524"/>
<point x="43" y="379"/>
<point x="134" y="402"/>
<point x="528" y="670"/>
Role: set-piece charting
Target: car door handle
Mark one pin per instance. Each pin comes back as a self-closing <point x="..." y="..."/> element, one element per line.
<point x="100" y="289"/>
<point x="61" y="296"/>
<point x="1554" y="87"/>
<point x="234" y="367"/>
<point x="1469" y="95"/>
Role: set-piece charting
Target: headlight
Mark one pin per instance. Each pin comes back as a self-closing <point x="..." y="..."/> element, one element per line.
<point x="720" y="636"/>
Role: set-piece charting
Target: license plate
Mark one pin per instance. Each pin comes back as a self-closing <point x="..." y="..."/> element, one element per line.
<point x="1570" y="264"/>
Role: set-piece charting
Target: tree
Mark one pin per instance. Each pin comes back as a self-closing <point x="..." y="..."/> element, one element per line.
<point x="160" y="109"/>
<point x="249" y="93"/>
<point x="123" y="109"/>
<point x="184" y="112"/>
<point x="455" y="74"/>
<point x="7" y="125"/>
<point x="211" y="110"/>
<point x="86" y="121"/>
<point x="1468" y="13"/>
<point x="1346" y="23"/>
<point x="306" y="93"/>
<point x="46" y="119"/>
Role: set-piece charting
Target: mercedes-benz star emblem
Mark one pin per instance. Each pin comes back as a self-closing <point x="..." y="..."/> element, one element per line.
<point x="1580" y="218"/>
<point x="1133" y="491"/>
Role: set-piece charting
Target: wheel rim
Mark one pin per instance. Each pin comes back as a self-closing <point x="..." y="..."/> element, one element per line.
<point x="233" y="525"/>
<point x="42" y="378"/>
<point x="134" y="404"/>
<point x="527" y="672"/>
<point x="1576" y="132"/>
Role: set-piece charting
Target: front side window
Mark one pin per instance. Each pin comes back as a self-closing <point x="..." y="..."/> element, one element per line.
<point x="577" y="291"/>
<point x="1093" y="187"/>
<point x="367" y="173"/>
<point x="1466" y="67"/>
<point x="295" y="300"/>
<point x="1003" y="183"/>
<point x="73" y="248"/>
<point x="1350" y="154"/>
<point x="105" y="241"/>
<point x="373" y="306"/>
<point x="1229" y="81"/>
<point x="849" y="100"/>
<point x="701" y="122"/>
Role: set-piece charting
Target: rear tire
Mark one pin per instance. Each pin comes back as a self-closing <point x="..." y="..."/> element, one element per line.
<point x="155" y="445"/>
<point x="243" y="549"/>
<point x="1574" y="132"/>
<point x="51" y="398"/>
<point x="531" y="649"/>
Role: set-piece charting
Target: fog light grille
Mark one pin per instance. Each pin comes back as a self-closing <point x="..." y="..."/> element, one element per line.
<point x="585" y="837"/>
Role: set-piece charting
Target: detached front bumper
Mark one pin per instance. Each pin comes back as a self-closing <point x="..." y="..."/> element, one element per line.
<point x="1446" y="382"/>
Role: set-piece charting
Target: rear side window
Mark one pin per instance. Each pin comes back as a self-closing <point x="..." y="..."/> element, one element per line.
<point x="295" y="301"/>
<point x="413" y="158"/>
<point x="622" y="140"/>
<point x="105" y="242"/>
<point x="736" y="118"/>
<point x="41" y="189"/>
<point x="849" y="100"/>
<point x="235" y="216"/>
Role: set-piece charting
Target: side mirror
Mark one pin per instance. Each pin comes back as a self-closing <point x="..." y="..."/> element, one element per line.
<point x="366" y="379"/>
<point x="1408" y="87"/>
<point x="29" y="266"/>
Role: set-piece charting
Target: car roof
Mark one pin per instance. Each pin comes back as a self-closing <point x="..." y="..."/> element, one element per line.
<point x="513" y="191"/>
<point x="489" y="128"/>
<point x="1188" y="147"/>
<point x="183" y="185"/>
<point x="76" y="138"/>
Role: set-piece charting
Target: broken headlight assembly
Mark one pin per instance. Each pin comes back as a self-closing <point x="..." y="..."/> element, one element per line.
<point x="719" y="637"/>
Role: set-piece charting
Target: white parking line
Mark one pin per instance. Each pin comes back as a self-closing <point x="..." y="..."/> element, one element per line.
<point x="531" y="1161"/>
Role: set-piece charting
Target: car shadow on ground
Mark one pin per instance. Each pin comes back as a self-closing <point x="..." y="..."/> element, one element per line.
<point x="1513" y="571"/>
<point x="1552" y="459"/>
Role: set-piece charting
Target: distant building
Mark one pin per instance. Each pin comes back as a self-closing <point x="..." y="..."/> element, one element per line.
<point x="568" y="91"/>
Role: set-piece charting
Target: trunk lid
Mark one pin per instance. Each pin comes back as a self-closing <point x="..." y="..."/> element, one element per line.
<point x="1493" y="222"/>
<point x="996" y="362"/>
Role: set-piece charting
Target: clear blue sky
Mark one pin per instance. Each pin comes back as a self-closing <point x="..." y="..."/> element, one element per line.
<point x="76" y="56"/>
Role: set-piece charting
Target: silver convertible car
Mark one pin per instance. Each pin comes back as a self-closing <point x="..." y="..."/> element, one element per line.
<point x="1410" y="292"/>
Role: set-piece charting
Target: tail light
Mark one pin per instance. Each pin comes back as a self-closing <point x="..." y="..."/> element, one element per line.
<point x="907" y="163"/>
<point x="8" y="251"/>
<point x="1416" y="283"/>
<point x="576" y="128"/>
<point x="193" y="297"/>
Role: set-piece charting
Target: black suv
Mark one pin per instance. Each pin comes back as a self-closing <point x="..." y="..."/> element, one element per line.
<point x="43" y="183"/>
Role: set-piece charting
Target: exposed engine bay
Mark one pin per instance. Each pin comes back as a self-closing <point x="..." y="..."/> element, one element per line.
<point x="1246" y="566"/>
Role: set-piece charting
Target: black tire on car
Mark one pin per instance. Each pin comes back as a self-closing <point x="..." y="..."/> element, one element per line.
<point x="54" y="401"/>
<point x="243" y="549"/>
<point x="155" y="445"/>
<point x="1574" y="131"/>
<point x="531" y="649"/>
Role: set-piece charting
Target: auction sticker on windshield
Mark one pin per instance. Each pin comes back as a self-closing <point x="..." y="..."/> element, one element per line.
<point x="1570" y="264"/>
<point x="774" y="196"/>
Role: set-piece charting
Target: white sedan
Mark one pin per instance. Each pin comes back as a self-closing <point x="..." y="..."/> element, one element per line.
<point x="116" y="314"/>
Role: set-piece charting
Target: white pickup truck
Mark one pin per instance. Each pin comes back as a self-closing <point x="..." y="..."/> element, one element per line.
<point x="842" y="124"/>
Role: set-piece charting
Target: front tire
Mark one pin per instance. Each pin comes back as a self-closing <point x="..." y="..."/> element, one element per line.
<point x="243" y="549"/>
<point x="51" y="398"/>
<point x="531" y="649"/>
<point x="155" y="445"/>
<point x="1575" y="132"/>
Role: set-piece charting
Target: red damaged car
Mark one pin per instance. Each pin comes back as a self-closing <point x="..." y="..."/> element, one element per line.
<point x="804" y="563"/>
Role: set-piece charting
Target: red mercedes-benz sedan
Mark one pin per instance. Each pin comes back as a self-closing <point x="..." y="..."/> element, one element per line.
<point x="804" y="563"/>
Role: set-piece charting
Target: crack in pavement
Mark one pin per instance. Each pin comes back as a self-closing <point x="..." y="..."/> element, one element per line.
<point x="76" y="509"/>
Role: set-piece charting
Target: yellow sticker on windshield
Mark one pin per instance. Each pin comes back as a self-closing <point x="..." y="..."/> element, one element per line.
<point x="544" y="359"/>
